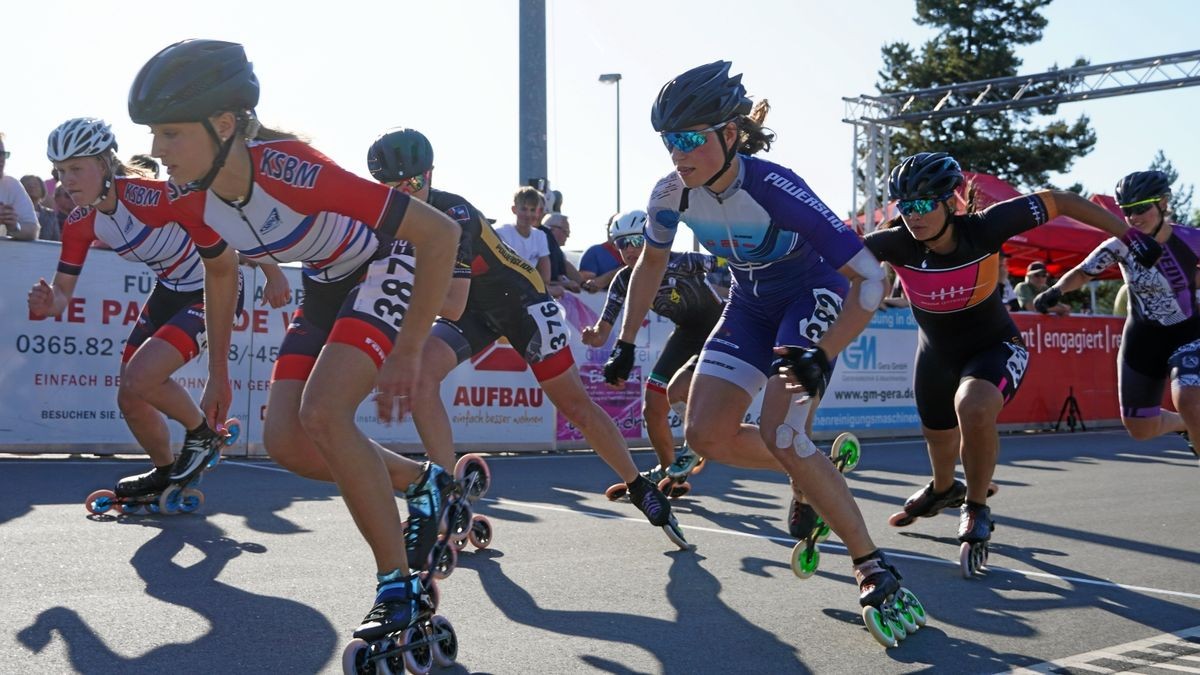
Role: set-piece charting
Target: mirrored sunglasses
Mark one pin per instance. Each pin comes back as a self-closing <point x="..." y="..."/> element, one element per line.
<point x="410" y="185"/>
<point x="907" y="207"/>
<point x="634" y="240"/>
<point x="687" y="141"/>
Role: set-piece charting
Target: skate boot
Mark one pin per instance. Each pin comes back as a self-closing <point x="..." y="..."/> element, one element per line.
<point x="926" y="503"/>
<point x="132" y="493"/>
<point x="401" y="631"/>
<point x="974" y="531"/>
<point x="676" y="484"/>
<point x="646" y="496"/>
<point x="201" y="450"/>
<point x="434" y="504"/>
<point x="890" y="611"/>
<point x="618" y="491"/>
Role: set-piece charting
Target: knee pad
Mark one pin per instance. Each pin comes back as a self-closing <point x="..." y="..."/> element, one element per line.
<point x="790" y="434"/>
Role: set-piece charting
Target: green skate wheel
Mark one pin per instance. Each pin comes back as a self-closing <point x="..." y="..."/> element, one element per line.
<point x="893" y="618"/>
<point x="913" y="606"/>
<point x="847" y="449"/>
<point x="879" y="627"/>
<point x="805" y="561"/>
<point x="822" y="531"/>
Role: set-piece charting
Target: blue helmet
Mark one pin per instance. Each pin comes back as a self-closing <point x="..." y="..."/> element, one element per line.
<point x="925" y="175"/>
<point x="398" y="154"/>
<point x="1142" y="185"/>
<point x="705" y="95"/>
<point x="192" y="80"/>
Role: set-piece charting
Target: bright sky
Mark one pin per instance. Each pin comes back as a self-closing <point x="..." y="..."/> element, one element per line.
<point x="345" y="72"/>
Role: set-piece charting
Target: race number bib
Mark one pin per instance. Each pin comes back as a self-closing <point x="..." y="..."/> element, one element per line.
<point x="826" y="307"/>
<point x="387" y="288"/>
<point x="552" y="327"/>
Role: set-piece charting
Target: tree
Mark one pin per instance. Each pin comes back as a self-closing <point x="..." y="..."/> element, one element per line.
<point x="976" y="42"/>
<point x="1181" y="195"/>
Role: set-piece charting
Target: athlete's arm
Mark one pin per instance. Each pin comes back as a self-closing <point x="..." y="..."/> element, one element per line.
<point x="1073" y="281"/>
<point x="866" y="291"/>
<point x="50" y="300"/>
<point x="1061" y="202"/>
<point x="647" y="276"/>
<point x="277" y="292"/>
<point x="220" y="300"/>
<point x="456" y="299"/>
<point x="597" y="335"/>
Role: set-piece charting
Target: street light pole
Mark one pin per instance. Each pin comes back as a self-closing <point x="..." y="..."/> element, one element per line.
<point x="615" y="78"/>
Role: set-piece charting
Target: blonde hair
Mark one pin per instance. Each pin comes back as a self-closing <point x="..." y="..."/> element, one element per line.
<point x="752" y="135"/>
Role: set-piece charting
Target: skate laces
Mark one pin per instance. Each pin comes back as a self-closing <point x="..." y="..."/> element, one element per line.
<point x="644" y="494"/>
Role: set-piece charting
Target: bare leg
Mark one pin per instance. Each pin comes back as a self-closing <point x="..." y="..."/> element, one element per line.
<point x="147" y="393"/>
<point x="341" y="379"/>
<point x="568" y="395"/>
<point x="428" y="411"/>
<point x="944" y="447"/>
<point x="658" y="426"/>
<point x="978" y="404"/>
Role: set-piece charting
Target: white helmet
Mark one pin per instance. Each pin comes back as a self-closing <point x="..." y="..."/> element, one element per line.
<point x="625" y="224"/>
<point x="80" y="137"/>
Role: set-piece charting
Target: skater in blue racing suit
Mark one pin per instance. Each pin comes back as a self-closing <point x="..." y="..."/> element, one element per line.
<point x="803" y="288"/>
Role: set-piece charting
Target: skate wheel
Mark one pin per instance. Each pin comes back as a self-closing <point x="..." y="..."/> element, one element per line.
<point x="966" y="560"/>
<point x="700" y="464"/>
<point x="457" y="519"/>
<point x="100" y="501"/>
<point x="458" y="544"/>
<point x="190" y="500"/>
<point x="418" y="652"/>
<point x="446" y="560"/>
<point x="128" y="508"/>
<point x="913" y="606"/>
<point x="805" y="560"/>
<point x="672" y="489"/>
<point x="900" y="519"/>
<point x="473" y="474"/>
<point x="232" y="431"/>
<point x="675" y="534"/>
<point x="879" y="627"/>
<point x="845" y="452"/>
<point x="894" y="621"/>
<point x="993" y="489"/>
<point x="616" y="492"/>
<point x="444" y="641"/>
<point x="152" y="507"/>
<point x="169" y="500"/>
<point x="481" y="532"/>
<point x="354" y="657"/>
<point x="904" y="616"/>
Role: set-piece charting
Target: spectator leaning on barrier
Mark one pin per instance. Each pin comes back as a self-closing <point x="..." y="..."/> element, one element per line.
<point x="563" y="275"/>
<point x="600" y="263"/>
<point x="1037" y="279"/>
<point x="48" y="227"/>
<point x="16" y="208"/>
<point x="523" y="236"/>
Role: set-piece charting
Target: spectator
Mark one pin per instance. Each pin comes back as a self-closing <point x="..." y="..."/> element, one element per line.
<point x="1007" y="295"/>
<point x="63" y="205"/>
<point x="16" y="208"/>
<point x="563" y="275"/>
<point x="554" y="200"/>
<point x="1036" y="281"/>
<point x="146" y="163"/>
<point x="600" y="263"/>
<point x="48" y="227"/>
<point x="523" y="236"/>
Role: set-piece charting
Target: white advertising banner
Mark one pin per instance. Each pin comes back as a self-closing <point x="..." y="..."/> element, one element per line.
<point x="60" y="376"/>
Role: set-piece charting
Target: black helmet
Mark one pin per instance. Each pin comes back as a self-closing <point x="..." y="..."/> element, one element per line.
<point x="925" y="175"/>
<point x="192" y="80"/>
<point x="398" y="154"/>
<point x="703" y="95"/>
<point x="1142" y="185"/>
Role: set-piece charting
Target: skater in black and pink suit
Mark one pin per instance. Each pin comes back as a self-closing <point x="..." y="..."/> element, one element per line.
<point x="970" y="357"/>
<point x="1161" y="341"/>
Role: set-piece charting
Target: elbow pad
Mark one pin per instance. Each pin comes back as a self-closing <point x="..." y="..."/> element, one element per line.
<point x="870" y="290"/>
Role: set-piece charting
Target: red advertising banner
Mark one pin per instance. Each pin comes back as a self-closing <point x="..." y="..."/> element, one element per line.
<point x="1067" y="354"/>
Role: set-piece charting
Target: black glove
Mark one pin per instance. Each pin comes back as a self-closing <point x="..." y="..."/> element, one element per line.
<point x="619" y="363"/>
<point x="1048" y="298"/>
<point x="1142" y="247"/>
<point x="808" y="365"/>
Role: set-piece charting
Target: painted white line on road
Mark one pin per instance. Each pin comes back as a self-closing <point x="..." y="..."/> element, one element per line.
<point x="1165" y="644"/>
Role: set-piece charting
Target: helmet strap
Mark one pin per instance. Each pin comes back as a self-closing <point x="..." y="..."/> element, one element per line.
<point x="223" y="148"/>
<point x="730" y="153"/>
<point x="1162" y="220"/>
<point x="945" y="225"/>
<point x="108" y="179"/>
